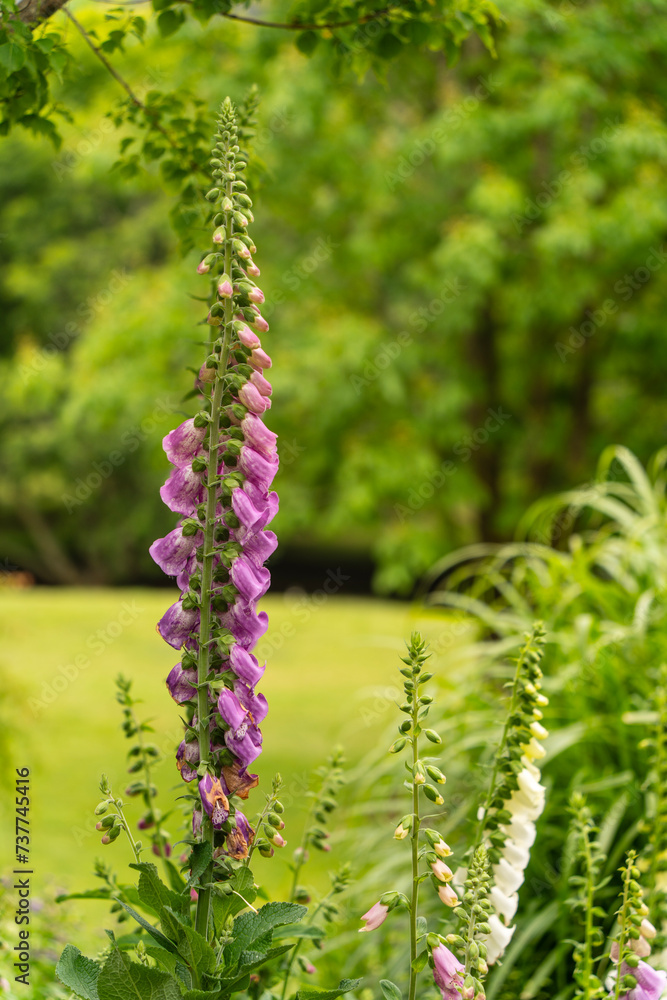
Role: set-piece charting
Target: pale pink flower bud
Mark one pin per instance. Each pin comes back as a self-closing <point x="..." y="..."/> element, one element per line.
<point x="253" y="270"/>
<point x="442" y="849"/>
<point x="203" y="268"/>
<point x="448" y="896"/>
<point x="278" y="840"/>
<point x="260" y="383"/>
<point x="225" y="288"/>
<point x="374" y="917"/>
<point x="259" y="359"/>
<point x="441" y="871"/>
<point x="260" y="323"/>
<point x="256" y="295"/>
<point x="248" y="338"/>
<point x="647" y="929"/>
<point x="219" y="235"/>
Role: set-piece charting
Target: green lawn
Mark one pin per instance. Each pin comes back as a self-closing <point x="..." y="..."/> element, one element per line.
<point x="331" y="677"/>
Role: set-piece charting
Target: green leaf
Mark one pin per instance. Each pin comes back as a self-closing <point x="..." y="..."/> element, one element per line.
<point x="243" y="882"/>
<point x="121" y="979"/>
<point x="169" y="21"/>
<point x="196" y="950"/>
<point x="344" y="986"/>
<point x="250" y="928"/>
<point x="390" y="991"/>
<point x="307" y="41"/>
<point x="78" y="973"/>
<point x="12" y="57"/>
<point x="88" y="894"/>
<point x="200" y="859"/>
<point x="175" y="878"/>
<point x="155" y="894"/>
<point x="420" y="961"/>
<point x="297" y="931"/>
<point x="169" y="963"/>
<point x="163" y="941"/>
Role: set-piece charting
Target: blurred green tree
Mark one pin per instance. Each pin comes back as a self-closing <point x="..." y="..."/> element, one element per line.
<point x="464" y="266"/>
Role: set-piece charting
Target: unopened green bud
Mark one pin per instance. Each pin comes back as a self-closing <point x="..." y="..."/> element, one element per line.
<point x="398" y="745"/>
<point x="102" y="807"/>
<point x="213" y="194"/>
<point x="431" y="735"/>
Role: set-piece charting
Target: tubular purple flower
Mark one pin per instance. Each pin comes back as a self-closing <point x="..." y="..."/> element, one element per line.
<point x="257" y="468"/>
<point x="183" y="443"/>
<point x="183" y="491"/>
<point x="172" y="552"/>
<point x="177" y="623"/>
<point x="258" y="435"/>
<point x="447" y="973"/>
<point x="187" y="760"/>
<point x="250" y="581"/>
<point x="245" y="666"/>
<point x="239" y="840"/>
<point x="214" y="800"/>
<point x="181" y="684"/>
<point x="650" y="982"/>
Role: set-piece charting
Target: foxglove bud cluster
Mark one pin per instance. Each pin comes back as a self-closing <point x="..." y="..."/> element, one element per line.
<point x="474" y="912"/>
<point x="224" y="462"/>
<point x="516" y="796"/>
<point x="635" y="979"/>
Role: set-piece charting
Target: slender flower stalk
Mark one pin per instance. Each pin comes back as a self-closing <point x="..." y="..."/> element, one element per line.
<point x="589" y="985"/>
<point x="224" y="462"/>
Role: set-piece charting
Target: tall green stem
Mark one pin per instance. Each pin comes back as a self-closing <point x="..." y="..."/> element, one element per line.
<point x="588" y="933"/>
<point x="203" y="665"/>
<point x="414" y="844"/>
<point x="624" y="915"/>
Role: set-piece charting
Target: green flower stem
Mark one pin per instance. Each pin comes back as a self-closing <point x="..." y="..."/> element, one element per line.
<point x="660" y="767"/>
<point x="623" y="920"/>
<point x="297" y="947"/>
<point x="118" y="806"/>
<point x="589" y="928"/>
<point x="414" y="845"/>
<point x="203" y="665"/>
<point x="146" y="795"/>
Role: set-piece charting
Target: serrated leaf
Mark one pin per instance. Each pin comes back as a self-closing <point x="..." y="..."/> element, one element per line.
<point x="161" y="939"/>
<point x="196" y="950"/>
<point x="252" y="927"/>
<point x="155" y="894"/>
<point x="200" y="859"/>
<point x="344" y="986"/>
<point x="390" y="991"/>
<point x="121" y="979"/>
<point x="170" y="963"/>
<point x="78" y="973"/>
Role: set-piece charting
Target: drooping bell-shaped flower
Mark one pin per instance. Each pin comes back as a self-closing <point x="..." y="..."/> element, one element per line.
<point x="374" y="917"/>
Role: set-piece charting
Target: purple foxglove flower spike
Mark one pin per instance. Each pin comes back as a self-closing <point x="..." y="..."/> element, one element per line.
<point x="201" y="544"/>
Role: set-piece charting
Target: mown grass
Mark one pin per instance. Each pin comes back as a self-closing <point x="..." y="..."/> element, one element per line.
<point x="331" y="679"/>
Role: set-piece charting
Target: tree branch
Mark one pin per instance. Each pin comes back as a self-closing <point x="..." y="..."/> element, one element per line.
<point x="116" y="75"/>
<point x="34" y="11"/>
<point x="311" y="27"/>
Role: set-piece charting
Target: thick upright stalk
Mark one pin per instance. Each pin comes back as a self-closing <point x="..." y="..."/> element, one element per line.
<point x="414" y="844"/>
<point x="204" y="661"/>
<point x="588" y="934"/>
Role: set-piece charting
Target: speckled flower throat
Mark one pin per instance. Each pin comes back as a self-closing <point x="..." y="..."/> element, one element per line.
<point x="224" y="463"/>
